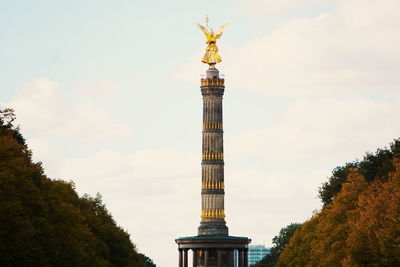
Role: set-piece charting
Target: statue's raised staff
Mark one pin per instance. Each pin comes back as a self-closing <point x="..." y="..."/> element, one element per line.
<point x="211" y="57"/>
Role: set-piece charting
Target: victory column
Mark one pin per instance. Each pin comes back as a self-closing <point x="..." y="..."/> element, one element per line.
<point x="212" y="247"/>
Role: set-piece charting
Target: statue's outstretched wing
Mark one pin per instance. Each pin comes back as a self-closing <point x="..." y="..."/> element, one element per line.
<point x="221" y="29"/>
<point x="203" y="29"/>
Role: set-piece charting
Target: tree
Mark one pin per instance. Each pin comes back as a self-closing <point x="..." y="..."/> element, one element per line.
<point x="373" y="166"/>
<point x="44" y="222"/>
<point x="322" y="240"/>
<point x="149" y="262"/>
<point x="297" y="251"/>
<point x="375" y="236"/>
<point x="334" y="185"/>
<point x="360" y="227"/>
<point x="279" y="242"/>
<point x="7" y="117"/>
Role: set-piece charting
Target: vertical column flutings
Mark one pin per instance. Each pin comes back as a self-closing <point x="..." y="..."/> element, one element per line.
<point x="212" y="158"/>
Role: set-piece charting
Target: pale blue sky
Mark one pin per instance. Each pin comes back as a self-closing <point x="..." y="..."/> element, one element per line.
<point x="123" y="42"/>
<point x="117" y="38"/>
<point x="107" y="94"/>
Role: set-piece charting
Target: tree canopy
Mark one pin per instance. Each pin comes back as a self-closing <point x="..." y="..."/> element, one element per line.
<point x="279" y="242"/>
<point x="360" y="227"/>
<point x="359" y="224"/>
<point x="373" y="166"/>
<point x="44" y="222"/>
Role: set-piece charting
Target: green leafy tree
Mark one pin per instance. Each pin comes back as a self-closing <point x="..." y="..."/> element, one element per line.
<point x="297" y="251"/>
<point x="7" y="117"/>
<point x="149" y="262"/>
<point x="279" y="242"/>
<point x="373" y="166"/>
<point x="44" y="222"/>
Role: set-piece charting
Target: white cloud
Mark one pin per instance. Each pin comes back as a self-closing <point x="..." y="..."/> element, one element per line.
<point x="323" y="130"/>
<point x="350" y="50"/>
<point x="98" y="88"/>
<point x="148" y="172"/>
<point x="155" y="194"/>
<point x="261" y="8"/>
<point x="42" y="151"/>
<point x="191" y="70"/>
<point x="260" y="203"/>
<point x="41" y="108"/>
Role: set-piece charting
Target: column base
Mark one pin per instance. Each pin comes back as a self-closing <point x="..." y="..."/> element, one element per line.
<point x="213" y="227"/>
<point x="214" y="251"/>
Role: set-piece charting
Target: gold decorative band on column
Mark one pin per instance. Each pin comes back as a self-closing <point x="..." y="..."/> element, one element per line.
<point x="212" y="185"/>
<point x="212" y="214"/>
<point x="213" y="125"/>
<point x="211" y="156"/>
<point x="212" y="82"/>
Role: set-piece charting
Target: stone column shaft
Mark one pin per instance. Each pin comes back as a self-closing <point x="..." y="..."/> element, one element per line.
<point x="241" y="260"/>
<point x="180" y="258"/>
<point x="246" y="258"/>
<point x="212" y="202"/>
<point x="232" y="258"/>
<point x="195" y="258"/>
<point x="185" y="258"/>
<point x="206" y="258"/>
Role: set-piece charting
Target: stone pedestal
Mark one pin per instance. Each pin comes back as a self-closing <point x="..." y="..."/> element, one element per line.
<point x="215" y="251"/>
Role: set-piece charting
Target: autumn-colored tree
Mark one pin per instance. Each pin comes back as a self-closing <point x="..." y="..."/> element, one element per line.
<point x="375" y="236"/>
<point x="333" y="228"/>
<point x="360" y="227"/>
<point x="44" y="222"/>
<point x="296" y="253"/>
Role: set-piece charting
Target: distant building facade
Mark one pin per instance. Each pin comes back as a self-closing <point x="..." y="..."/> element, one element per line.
<point x="257" y="253"/>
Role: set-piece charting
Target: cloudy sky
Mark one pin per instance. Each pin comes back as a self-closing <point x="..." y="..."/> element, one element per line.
<point x="107" y="95"/>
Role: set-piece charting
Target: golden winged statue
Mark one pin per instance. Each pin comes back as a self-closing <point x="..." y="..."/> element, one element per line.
<point x="211" y="56"/>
